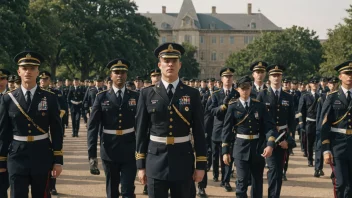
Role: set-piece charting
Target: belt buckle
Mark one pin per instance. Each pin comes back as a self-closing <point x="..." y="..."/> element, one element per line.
<point x="119" y="132"/>
<point x="170" y="140"/>
<point x="348" y="131"/>
<point x="30" y="138"/>
<point x="251" y="137"/>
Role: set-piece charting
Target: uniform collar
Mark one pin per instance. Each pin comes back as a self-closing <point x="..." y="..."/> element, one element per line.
<point x="24" y="90"/>
<point x="174" y="84"/>
<point x="244" y="102"/>
<point x="117" y="89"/>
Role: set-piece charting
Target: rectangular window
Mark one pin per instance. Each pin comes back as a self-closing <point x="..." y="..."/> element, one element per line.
<point x="232" y="40"/>
<point x="188" y="38"/>
<point x="221" y="39"/>
<point x="163" y="39"/>
<point x="201" y="39"/>
<point x="213" y="39"/>
<point x="213" y="56"/>
<point x="248" y="39"/>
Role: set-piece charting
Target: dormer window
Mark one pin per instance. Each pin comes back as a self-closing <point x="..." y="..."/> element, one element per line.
<point x="212" y="26"/>
<point x="164" y="25"/>
<point x="187" y="21"/>
<point x="253" y="25"/>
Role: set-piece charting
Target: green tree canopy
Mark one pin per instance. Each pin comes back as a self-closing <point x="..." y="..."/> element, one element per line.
<point x="338" y="47"/>
<point x="190" y="66"/>
<point x="297" y="48"/>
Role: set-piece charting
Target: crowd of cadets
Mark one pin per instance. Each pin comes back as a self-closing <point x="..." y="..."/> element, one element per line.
<point x="249" y="123"/>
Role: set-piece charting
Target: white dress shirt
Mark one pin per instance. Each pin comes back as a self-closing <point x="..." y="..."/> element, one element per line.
<point x="24" y="90"/>
<point x="345" y="91"/>
<point x="117" y="89"/>
<point x="174" y="84"/>
<point x="244" y="102"/>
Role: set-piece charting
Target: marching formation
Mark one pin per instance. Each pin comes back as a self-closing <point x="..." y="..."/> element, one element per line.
<point x="170" y="131"/>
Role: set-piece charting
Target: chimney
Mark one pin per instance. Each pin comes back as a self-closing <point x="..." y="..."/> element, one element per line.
<point x="249" y="8"/>
<point x="164" y="9"/>
<point x="213" y="10"/>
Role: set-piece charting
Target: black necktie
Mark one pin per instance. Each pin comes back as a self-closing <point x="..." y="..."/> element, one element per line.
<point x="276" y="96"/>
<point x="119" y="97"/>
<point x="348" y="97"/>
<point x="169" y="91"/>
<point x="28" y="98"/>
<point x="258" y="89"/>
<point x="246" y="106"/>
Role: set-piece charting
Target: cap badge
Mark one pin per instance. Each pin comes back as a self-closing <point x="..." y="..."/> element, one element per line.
<point x="260" y="64"/>
<point x="170" y="47"/>
<point x="276" y="67"/>
<point x="28" y="55"/>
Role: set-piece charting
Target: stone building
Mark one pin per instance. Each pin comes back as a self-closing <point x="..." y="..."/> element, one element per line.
<point x="216" y="35"/>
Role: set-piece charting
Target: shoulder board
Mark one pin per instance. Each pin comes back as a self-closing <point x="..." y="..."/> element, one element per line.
<point x="319" y="99"/>
<point x="92" y="88"/>
<point x="149" y="86"/>
<point x="286" y="91"/>
<point x="102" y="92"/>
<point x="233" y="100"/>
<point x="48" y="91"/>
<point x="255" y="100"/>
<point x="10" y="91"/>
<point x="216" y="91"/>
<point x="329" y="93"/>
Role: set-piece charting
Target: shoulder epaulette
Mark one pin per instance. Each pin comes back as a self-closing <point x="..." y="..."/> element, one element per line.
<point x="233" y="100"/>
<point x="48" y="91"/>
<point x="102" y="92"/>
<point x="331" y="92"/>
<point x="216" y="91"/>
<point x="286" y="91"/>
<point x="10" y="91"/>
<point x="255" y="100"/>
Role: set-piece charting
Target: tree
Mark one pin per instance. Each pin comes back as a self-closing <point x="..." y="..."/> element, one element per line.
<point x="338" y="47"/>
<point x="297" y="48"/>
<point x="14" y="38"/>
<point x="190" y="66"/>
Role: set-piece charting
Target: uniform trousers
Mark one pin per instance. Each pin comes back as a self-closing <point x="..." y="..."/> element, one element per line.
<point x="120" y="172"/>
<point x="275" y="164"/>
<point x="39" y="185"/>
<point x="4" y="184"/>
<point x="159" y="188"/>
<point x="343" y="175"/>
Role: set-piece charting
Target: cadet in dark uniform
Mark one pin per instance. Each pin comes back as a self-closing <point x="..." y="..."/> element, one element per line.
<point x="75" y="99"/>
<point x="4" y="176"/>
<point x="255" y="139"/>
<point x="11" y="82"/>
<point x="45" y="80"/>
<point x="296" y="96"/>
<point x="258" y="73"/>
<point x="218" y="108"/>
<point x="115" y="110"/>
<point x="336" y="131"/>
<point x="307" y="116"/>
<point x="91" y="93"/>
<point x="85" y="87"/>
<point x="138" y="83"/>
<point x="166" y="113"/>
<point x="323" y="88"/>
<point x="26" y="115"/>
<point x="65" y="89"/>
<point x="281" y="108"/>
<point x="155" y="76"/>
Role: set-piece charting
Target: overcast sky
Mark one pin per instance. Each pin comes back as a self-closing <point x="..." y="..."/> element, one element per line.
<point x="318" y="15"/>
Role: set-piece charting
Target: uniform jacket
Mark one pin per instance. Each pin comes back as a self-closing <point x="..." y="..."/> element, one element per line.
<point x="107" y="113"/>
<point x="218" y="113"/>
<point x="156" y="114"/>
<point x="334" y="114"/>
<point x="30" y="157"/>
<point x="258" y="122"/>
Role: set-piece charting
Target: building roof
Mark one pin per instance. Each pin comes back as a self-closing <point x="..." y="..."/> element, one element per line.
<point x="209" y="21"/>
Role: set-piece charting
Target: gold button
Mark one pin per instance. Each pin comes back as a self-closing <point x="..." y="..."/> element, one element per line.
<point x="119" y="108"/>
<point x="349" y="120"/>
<point x="349" y="126"/>
<point x="171" y="112"/>
<point x="120" y="121"/>
<point x="29" y="131"/>
<point x="119" y="127"/>
<point x="277" y="122"/>
<point x="29" y="125"/>
<point x="349" y="113"/>
<point x="278" y="109"/>
<point x="170" y="126"/>
<point x="170" y="133"/>
<point x="171" y="119"/>
<point x="249" y="120"/>
<point x="277" y="117"/>
<point x="250" y="131"/>
<point x="250" y="126"/>
<point x="120" y="114"/>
